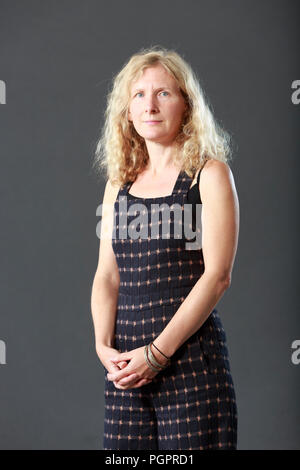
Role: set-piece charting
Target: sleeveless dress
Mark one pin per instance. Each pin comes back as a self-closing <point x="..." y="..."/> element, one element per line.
<point x="191" y="405"/>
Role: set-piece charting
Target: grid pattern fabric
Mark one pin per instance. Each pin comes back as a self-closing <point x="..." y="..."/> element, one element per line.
<point x="191" y="404"/>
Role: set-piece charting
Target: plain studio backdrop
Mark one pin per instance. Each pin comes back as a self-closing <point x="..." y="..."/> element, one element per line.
<point x="57" y="60"/>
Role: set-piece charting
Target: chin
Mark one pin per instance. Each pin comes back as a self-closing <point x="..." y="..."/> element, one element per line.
<point x="150" y="134"/>
<point x="154" y="138"/>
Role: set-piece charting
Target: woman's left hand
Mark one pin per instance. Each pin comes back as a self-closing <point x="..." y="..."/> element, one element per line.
<point x="137" y="365"/>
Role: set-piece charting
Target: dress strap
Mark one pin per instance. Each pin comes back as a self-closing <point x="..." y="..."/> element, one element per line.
<point x="198" y="177"/>
<point x="125" y="188"/>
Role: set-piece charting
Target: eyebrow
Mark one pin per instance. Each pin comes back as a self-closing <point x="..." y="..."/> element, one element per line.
<point x="156" y="89"/>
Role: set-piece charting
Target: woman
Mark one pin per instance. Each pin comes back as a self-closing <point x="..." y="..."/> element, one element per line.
<point x="158" y="334"/>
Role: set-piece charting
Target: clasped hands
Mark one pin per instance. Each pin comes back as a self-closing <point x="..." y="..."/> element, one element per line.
<point x="133" y="374"/>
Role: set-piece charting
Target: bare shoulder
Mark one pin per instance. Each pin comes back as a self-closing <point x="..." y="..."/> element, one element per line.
<point x="216" y="182"/>
<point x="110" y="192"/>
<point x="216" y="169"/>
<point x="216" y="178"/>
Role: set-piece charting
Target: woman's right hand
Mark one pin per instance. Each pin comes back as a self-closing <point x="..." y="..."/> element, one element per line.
<point x="130" y="381"/>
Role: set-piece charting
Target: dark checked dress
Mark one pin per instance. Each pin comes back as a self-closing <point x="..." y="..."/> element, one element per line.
<point x="191" y="404"/>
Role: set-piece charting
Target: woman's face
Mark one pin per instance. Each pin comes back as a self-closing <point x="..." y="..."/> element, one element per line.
<point x="156" y="105"/>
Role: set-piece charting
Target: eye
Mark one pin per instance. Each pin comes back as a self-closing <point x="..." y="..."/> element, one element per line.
<point x="165" y="92"/>
<point x="138" y="93"/>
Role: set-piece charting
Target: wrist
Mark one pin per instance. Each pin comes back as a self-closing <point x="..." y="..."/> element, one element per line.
<point x="165" y="349"/>
<point x="158" y="356"/>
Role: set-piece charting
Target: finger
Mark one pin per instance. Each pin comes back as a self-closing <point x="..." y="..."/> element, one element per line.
<point x="122" y="364"/>
<point x="121" y="387"/>
<point x="130" y="379"/>
<point x="141" y="382"/>
<point x="114" y="368"/>
<point x="127" y="382"/>
<point x="116" y="376"/>
<point x="117" y="367"/>
<point x="121" y="357"/>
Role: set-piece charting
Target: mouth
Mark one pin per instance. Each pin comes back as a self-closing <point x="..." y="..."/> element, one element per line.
<point x="152" y="122"/>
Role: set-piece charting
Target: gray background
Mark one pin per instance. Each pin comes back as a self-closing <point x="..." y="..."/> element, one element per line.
<point x="57" y="59"/>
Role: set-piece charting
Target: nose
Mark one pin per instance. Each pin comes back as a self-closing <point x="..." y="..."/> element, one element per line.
<point x="150" y="105"/>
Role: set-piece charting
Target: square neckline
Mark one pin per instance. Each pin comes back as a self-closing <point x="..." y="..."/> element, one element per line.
<point x="176" y="185"/>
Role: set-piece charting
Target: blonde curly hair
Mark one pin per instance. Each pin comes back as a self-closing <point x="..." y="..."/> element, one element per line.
<point x="122" y="152"/>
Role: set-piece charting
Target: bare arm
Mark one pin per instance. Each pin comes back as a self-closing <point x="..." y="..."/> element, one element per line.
<point x="106" y="282"/>
<point x="220" y="228"/>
